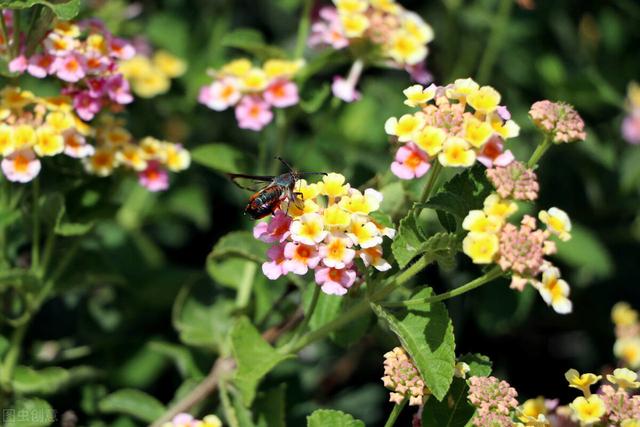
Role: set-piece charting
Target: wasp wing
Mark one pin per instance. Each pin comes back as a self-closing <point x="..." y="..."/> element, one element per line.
<point x="250" y="182"/>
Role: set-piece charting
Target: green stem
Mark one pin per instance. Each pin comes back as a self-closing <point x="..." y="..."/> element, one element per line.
<point x="431" y="181"/>
<point x="394" y="413"/>
<point x="492" y="274"/>
<point x="48" y="252"/>
<point x="10" y="360"/>
<point x="359" y="309"/>
<point x="229" y="411"/>
<point x="495" y="40"/>
<point x="307" y="317"/>
<point x="303" y="29"/>
<point x="16" y="33"/>
<point x="35" y="243"/>
<point x="3" y="26"/>
<point x="539" y="151"/>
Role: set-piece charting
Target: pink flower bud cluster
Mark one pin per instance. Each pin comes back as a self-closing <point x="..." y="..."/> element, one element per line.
<point x="494" y="400"/>
<point x="620" y="404"/>
<point x="522" y="249"/>
<point x="85" y="56"/>
<point x="558" y="119"/>
<point x="187" y="420"/>
<point x="403" y="379"/>
<point x="514" y="181"/>
<point x="325" y="232"/>
<point x="253" y="91"/>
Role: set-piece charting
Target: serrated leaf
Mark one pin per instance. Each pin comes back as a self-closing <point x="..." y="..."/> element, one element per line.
<point x="426" y="333"/>
<point x="234" y="254"/>
<point x="254" y="357"/>
<point x="329" y="417"/>
<point x="220" y="157"/>
<point x="479" y="364"/>
<point x="269" y="407"/>
<point x="23" y="411"/>
<point x="408" y="240"/>
<point x="250" y="40"/>
<point x="64" y="10"/>
<point x="134" y="403"/>
<point x="464" y="192"/>
<point x="455" y="410"/>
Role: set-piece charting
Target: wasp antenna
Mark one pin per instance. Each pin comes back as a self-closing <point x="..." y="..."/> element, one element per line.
<point x="312" y="173"/>
<point x="284" y="162"/>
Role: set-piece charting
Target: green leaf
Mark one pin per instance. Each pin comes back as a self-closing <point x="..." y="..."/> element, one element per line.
<point x="269" y="407"/>
<point x="251" y="41"/>
<point x="29" y="413"/>
<point x="4" y="346"/>
<point x="455" y="410"/>
<point x="69" y="229"/>
<point x="254" y="357"/>
<point x="55" y="213"/>
<point x="479" y="364"/>
<point x="426" y="333"/>
<point x="220" y="157"/>
<point x="327" y="307"/>
<point x="134" y="403"/>
<point x="629" y="170"/>
<point x="203" y="325"/>
<point x="48" y="380"/>
<point x="408" y="240"/>
<point x="180" y="355"/>
<point x="231" y="254"/>
<point x="357" y="328"/>
<point x="464" y="192"/>
<point x="329" y="417"/>
<point x="586" y="254"/>
<point x="64" y="10"/>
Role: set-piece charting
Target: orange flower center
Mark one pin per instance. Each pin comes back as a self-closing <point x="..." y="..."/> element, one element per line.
<point x="21" y="163"/>
<point x="413" y="161"/>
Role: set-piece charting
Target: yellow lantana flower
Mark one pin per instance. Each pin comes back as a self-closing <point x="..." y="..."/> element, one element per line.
<point x="624" y="378"/>
<point x="431" y="139"/>
<point x="495" y="206"/>
<point x="406" y="127"/>
<point x="557" y="222"/>
<point x="336" y="217"/>
<point x="623" y="315"/>
<point x="477" y="132"/>
<point x="485" y="100"/>
<point x="49" y="142"/>
<point x="333" y="185"/>
<point x="358" y="203"/>
<point x="237" y="67"/>
<point x="456" y="152"/>
<point x="480" y="247"/>
<point x="479" y="221"/>
<point x="588" y="410"/>
<point x="582" y="382"/>
<point x="24" y="136"/>
<point x="7" y="144"/>
<point x="168" y="64"/>
<point x="354" y="24"/>
<point x="417" y="95"/>
<point x="628" y="349"/>
<point x="406" y="48"/>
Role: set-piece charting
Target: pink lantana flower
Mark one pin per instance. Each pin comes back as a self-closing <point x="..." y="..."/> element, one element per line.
<point x="337" y="252"/>
<point x="276" y="267"/>
<point x="21" y="166"/>
<point x="300" y="258"/>
<point x="118" y="89"/>
<point x="282" y="94"/>
<point x="493" y="154"/>
<point x="86" y="106"/>
<point x="253" y="113"/>
<point x="343" y="89"/>
<point x="335" y="281"/>
<point x="221" y="94"/>
<point x="76" y="146"/>
<point x="70" y="68"/>
<point x="154" y="177"/>
<point x="277" y="230"/>
<point x="410" y="162"/>
<point x="121" y="48"/>
<point x="18" y="64"/>
<point x="328" y="30"/>
<point x="40" y="65"/>
<point x="631" y="128"/>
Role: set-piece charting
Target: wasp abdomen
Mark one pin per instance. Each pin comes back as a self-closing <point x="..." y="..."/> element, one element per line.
<point x="264" y="202"/>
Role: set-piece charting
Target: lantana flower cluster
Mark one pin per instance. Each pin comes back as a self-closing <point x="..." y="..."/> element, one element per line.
<point x="494" y="400"/>
<point x="150" y="158"/>
<point x="187" y="420"/>
<point x="631" y="123"/>
<point x="399" y="36"/>
<point x="559" y="120"/>
<point x="150" y="74"/>
<point x="85" y="56"/>
<point x="253" y="91"/>
<point x="34" y="128"/>
<point x="403" y="379"/>
<point x="324" y="232"/>
<point x="614" y="404"/>
<point x="456" y="125"/>
<point x="520" y="250"/>
<point x="627" y="329"/>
